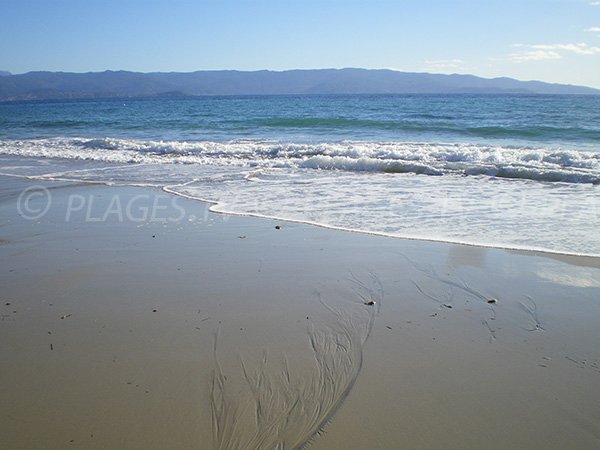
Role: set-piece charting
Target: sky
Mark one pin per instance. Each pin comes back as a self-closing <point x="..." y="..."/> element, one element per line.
<point x="549" y="40"/>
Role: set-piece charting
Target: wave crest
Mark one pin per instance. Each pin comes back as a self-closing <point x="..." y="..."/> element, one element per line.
<point x="547" y="165"/>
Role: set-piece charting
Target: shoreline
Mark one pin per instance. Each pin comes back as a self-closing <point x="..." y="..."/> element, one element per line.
<point x="122" y="326"/>
<point x="580" y="258"/>
<point x="588" y="260"/>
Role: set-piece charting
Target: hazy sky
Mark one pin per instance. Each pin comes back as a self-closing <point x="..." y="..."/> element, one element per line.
<point x="549" y="40"/>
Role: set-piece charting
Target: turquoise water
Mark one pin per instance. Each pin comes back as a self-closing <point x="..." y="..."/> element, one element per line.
<point x="510" y="119"/>
<point x="502" y="170"/>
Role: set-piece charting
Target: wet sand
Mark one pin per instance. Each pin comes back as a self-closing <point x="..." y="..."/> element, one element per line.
<point x="210" y="331"/>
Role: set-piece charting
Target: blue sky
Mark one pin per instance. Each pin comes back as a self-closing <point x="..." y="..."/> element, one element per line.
<point x="549" y="40"/>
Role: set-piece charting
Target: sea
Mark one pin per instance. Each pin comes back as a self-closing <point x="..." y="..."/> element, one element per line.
<point x="508" y="171"/>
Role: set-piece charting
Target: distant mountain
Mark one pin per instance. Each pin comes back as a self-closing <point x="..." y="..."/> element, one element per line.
<point x="4" y="73"/>
<point x="109" y="84"/>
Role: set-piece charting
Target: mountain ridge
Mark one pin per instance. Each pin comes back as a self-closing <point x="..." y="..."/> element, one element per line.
<point x="43" y="85"/>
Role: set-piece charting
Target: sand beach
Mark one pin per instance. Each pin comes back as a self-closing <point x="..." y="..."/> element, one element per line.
<point x="131" y="318"/>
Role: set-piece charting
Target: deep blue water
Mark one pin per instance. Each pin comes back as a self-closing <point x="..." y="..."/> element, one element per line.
<point x="535" y="120"/>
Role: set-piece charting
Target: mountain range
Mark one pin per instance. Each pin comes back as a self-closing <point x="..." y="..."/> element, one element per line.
<point x="122" y="84"/>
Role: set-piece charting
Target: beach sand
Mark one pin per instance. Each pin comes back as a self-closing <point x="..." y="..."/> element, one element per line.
<point x="184" y="329"/>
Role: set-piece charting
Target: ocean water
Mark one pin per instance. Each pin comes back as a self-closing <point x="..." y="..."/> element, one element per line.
<point x="512" y="171"/>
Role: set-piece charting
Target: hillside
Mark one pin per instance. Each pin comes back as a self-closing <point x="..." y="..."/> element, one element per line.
<point x="110" y="84"/>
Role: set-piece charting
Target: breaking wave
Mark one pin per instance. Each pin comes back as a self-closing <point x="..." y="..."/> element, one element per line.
<point x="537" y="164"/>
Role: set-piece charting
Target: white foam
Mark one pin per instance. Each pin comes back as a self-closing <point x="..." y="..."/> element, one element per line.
<point x="548" y="165"/>
<point x="467" y="210"/>
<point x="359" y="186"/>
